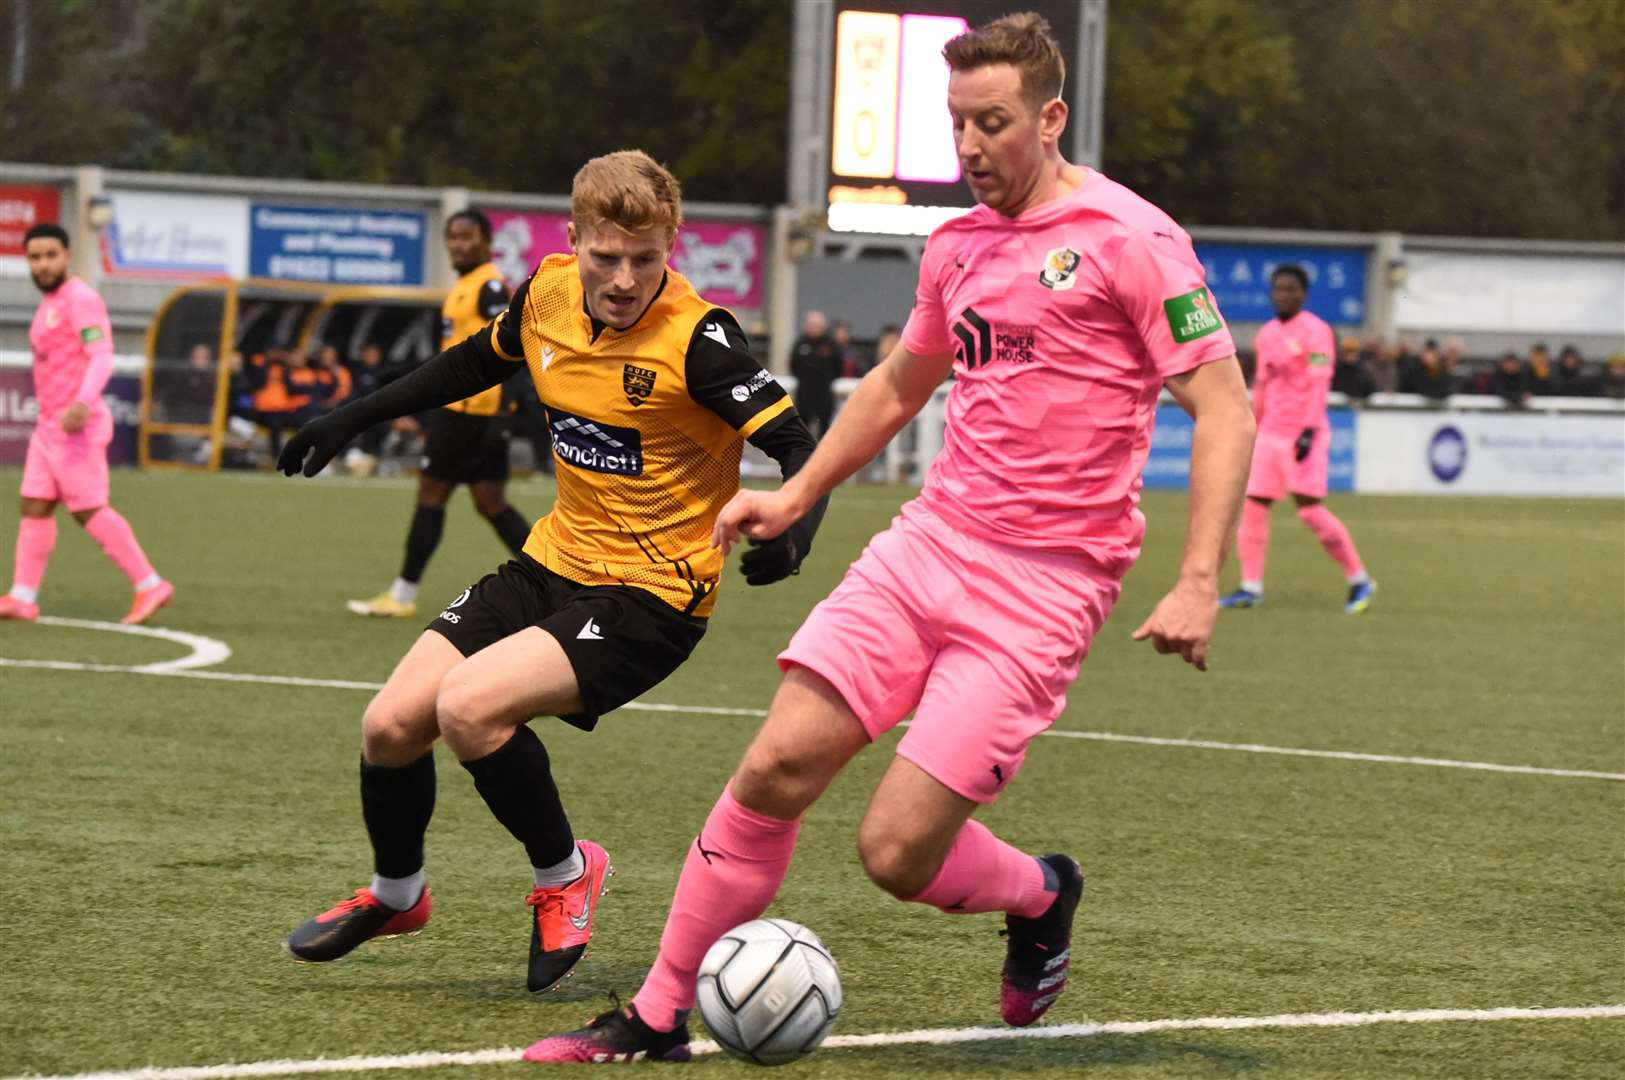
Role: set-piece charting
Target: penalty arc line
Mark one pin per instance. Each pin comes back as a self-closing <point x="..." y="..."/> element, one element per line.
<point x="170" y="671"/>
<point x="927" y="1037"/>
<point x="206" y="651"/>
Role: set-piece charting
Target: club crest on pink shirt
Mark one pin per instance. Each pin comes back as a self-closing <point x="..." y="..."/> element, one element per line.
<point x="1060" y="269"/>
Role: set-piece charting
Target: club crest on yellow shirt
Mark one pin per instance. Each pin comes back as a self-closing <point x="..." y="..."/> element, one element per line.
<point x="639" y="383"/>
<point x="1060" y="269"/>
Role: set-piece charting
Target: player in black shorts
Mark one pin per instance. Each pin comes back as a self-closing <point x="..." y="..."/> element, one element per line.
<point x="650" y="393"/>
<point x="467" y="441"/>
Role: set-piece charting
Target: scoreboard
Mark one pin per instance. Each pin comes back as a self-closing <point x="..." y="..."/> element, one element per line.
<point x="891" y="165"/>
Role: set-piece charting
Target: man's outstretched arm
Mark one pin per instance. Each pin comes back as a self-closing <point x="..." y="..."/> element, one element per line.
<point x="1221" y="449"/>
<point x="886" y="399"/>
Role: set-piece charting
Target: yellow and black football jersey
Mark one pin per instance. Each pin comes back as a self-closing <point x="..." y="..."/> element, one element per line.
<point x="478" y="297"/>
<point x="648" y="425"/>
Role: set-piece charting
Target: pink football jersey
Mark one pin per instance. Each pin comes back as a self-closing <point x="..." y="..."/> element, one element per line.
<point x="71" y="338"/>
<point x="1293" y="374"/>
<point x="1063" y="322"/>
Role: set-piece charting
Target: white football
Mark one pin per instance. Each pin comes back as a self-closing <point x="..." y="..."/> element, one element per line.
<point x="769" y="991"/>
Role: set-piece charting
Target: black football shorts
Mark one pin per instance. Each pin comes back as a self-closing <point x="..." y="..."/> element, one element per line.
<point x="620" y="640"/>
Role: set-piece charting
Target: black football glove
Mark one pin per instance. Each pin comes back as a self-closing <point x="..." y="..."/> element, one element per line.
<point x="773" y="560"/>
<point x="1306" y="439"/>
<point x="322" y="439"/>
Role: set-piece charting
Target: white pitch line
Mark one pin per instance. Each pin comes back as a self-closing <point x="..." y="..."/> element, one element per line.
<point x="928" y="1037"/>
<point x="206" y="651"/>
<point x="713" y="710"/>
<point x="1336" y="755"/>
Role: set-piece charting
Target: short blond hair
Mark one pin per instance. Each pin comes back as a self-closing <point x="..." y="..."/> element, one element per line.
<point x="629" y="190"/>
<point x="1022" y="40"/>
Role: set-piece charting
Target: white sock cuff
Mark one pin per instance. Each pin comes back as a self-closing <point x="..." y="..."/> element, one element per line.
<point x="24" y="593"/>
<point x="560" y="873"/>
<point x="403" y="592"/>
<point x="1256" y="587"/>
<point x="399" y="893"/>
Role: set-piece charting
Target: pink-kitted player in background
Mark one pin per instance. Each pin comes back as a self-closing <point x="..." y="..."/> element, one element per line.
<point x="1296" y="353"/>
<point x="67" y="453"/>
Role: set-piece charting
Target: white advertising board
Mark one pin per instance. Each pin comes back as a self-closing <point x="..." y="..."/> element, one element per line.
<point x="1490" y="454"/>
<point x="177" y="237"/>
<point x="1533" y="294"/>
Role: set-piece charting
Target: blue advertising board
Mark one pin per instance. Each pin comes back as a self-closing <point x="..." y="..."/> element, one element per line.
<point x="336" y="245"/>
<point x="1239" y="277"/>
<point x="1169" y="466"/>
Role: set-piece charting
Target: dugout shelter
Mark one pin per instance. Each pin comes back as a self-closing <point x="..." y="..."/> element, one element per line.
<point x="203" y="337"/>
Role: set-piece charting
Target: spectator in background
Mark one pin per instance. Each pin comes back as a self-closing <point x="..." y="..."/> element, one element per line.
<point x="268" y="375"/>
<point x="185" y="394"/>
<point x="1613" y="379"/>
<point x="890" y="335"/>
<point x="1539" y="378"/>
<point x="1428" y="374"/>
<point x="1574" y="378"/>
<point x="815" y="362"/>
<point x="240" y="396"/>
<point x="335" y="374"/>
<point x="1350" y="377"/>
<point x="1385" y="369"/>
<point x="851" y="364"/>
<point x="293" y="392"/>
<point x="1509" y="381"/>
<point x="367" y="373"/>
<point x="1453" y="361"/>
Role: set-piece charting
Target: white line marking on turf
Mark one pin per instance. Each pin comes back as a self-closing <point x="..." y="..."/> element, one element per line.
<point x="1336" y="755"/>
<point x="712" y="710"/>
<point x="930" y="1037"/>
<point x="206" y="651"/>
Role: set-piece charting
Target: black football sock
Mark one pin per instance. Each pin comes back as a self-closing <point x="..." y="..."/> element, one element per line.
<point x="516" y="782"/>
<point x="421" y="540"/>
<point x="396" y="804"/>
<point x="511" y="525"/>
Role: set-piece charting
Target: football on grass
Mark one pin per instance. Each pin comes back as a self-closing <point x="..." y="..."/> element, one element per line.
<point x="769" y="991"/>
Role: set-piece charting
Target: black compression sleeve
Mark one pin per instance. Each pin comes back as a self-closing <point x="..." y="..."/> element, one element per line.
<point x="787" y="441"/>
<point x="461" y="371"/>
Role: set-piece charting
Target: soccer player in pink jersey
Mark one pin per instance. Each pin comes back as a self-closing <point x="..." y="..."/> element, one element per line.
<point x="1061" y="306"/>
<point x="1296" y="359"/>
<point x="67" y="454"/>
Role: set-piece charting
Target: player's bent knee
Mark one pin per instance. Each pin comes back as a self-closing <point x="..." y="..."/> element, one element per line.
<point x="780" y="782"/>
<point x="392" y="735"/>
<point x="470" y="723"/>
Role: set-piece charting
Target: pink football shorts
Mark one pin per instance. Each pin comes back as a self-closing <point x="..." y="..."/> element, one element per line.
<point x="69" y="469"/>
<point x="979" y="639"/>
<point x="1274" y="472"/>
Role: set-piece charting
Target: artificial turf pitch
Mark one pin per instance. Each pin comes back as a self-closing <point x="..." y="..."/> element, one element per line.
<point x="159" y="835"/>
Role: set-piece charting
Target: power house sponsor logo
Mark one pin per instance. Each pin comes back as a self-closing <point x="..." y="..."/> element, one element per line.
<point x="980" y="342"/>
<point x="596" y="447"/>
<point x="1192" y="315"/>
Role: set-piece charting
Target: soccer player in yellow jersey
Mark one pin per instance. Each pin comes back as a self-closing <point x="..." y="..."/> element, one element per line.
<point x="650" y="393"/>
<point x="467" y="441"/>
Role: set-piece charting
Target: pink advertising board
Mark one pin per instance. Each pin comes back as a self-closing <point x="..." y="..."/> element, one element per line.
<point x="722" y="258"/>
